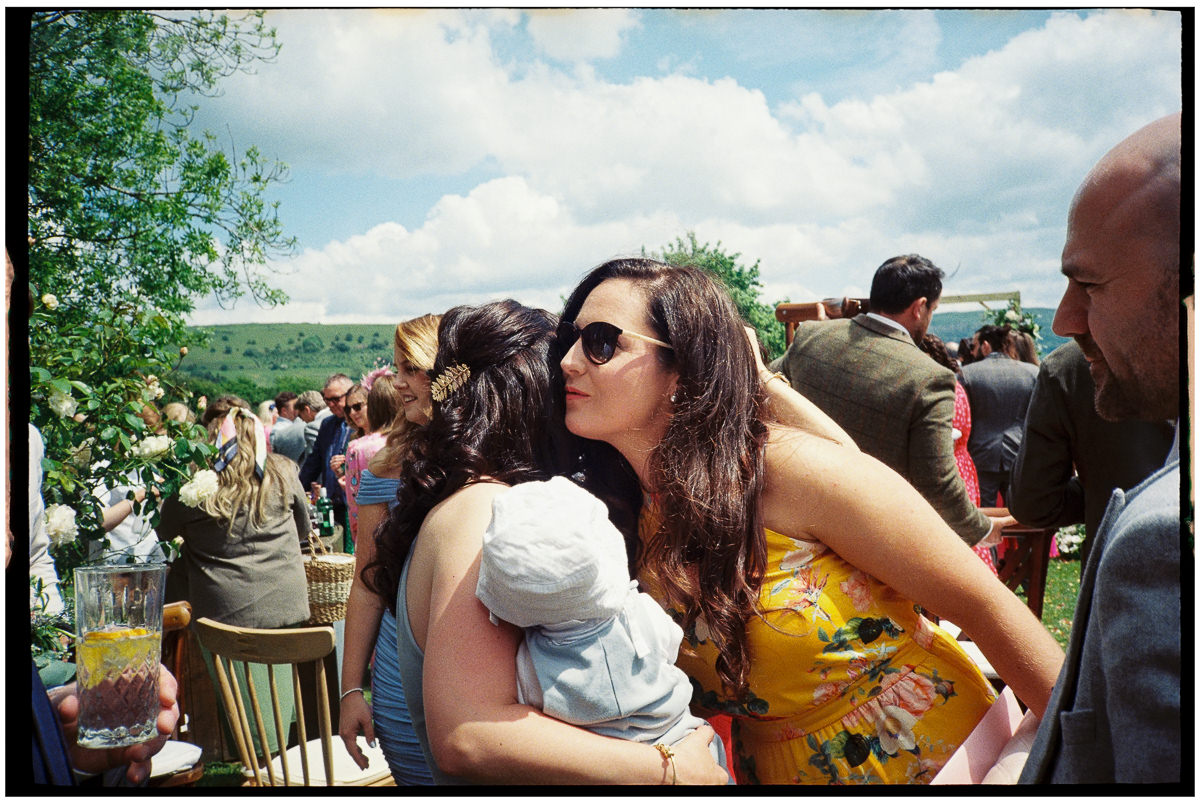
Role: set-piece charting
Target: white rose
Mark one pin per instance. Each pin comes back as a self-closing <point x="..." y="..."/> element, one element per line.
<point x="1012" y="315"/>
<point x="152" y="447"/>
<point x="202" y="486"/>
<point x="60" y="524"/>
<point x="51" y="301"/>
<point x="81" y="456"/>
<point x="183" y="351"/>
<point x="62" y="404"/>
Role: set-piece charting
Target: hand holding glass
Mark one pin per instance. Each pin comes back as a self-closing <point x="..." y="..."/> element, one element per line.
<point x="118" y="616"/>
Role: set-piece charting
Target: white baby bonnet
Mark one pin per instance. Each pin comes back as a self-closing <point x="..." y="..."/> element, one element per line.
<point x="551" y="555"/>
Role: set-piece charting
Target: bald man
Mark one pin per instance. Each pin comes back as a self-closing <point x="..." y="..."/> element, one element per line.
<point x="1114" y="715"/>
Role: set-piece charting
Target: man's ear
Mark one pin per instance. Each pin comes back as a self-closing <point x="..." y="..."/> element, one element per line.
<point x="917" y="308"/>
<point x="985" y="348"/>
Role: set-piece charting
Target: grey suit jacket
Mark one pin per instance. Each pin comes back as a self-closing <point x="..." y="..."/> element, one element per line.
<point x="1114" y="715"/>
<point x="894" y="401"/>
<point x="998" y="389"/>
<point x="287" y="439"/>
<point x="1071" y="459"/>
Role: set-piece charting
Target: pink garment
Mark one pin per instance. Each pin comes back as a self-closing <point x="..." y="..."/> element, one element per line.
<point x="966" y="467"/>
<point x="359" y="453"/>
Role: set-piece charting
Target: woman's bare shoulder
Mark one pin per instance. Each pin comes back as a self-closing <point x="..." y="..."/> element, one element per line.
<point x="469" y="504"/>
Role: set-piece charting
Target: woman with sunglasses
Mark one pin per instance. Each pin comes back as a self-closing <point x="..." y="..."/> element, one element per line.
<point x="791" y="561"/>
<point x="497" y="420"/>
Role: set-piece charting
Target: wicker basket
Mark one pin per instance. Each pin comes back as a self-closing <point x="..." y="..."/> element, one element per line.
<point x="329" y="577"/>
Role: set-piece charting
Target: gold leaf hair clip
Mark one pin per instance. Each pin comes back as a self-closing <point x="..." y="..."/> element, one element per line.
<point x="449" y="381"/>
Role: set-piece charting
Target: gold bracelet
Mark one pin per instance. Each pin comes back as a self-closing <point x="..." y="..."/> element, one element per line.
<point x="668" y="755"/>
<point x="774" y="375"/>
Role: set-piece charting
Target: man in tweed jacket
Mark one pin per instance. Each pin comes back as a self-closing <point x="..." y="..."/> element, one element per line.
<point x="894" y="400"/>
<point x="1114" y="715"/>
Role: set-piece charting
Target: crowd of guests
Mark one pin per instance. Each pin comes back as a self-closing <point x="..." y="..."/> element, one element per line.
<point x="577" y="536"/>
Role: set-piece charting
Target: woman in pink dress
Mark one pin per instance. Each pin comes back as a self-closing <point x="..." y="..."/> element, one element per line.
<point x="382" y="407"/>
<point x="933" y="346"/>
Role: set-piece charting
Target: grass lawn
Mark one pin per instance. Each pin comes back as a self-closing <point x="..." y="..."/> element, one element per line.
<point x="1062" y="590"/>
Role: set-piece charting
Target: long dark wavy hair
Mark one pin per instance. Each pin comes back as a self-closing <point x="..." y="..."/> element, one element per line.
<point x="505" y="422"/>
<point x="707" y="473"/>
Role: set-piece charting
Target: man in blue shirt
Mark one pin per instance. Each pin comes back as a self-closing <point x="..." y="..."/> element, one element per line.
<point x="331" y="441"/>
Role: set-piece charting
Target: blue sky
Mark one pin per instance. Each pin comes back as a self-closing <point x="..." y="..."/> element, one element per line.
<point x="441" y="157"/>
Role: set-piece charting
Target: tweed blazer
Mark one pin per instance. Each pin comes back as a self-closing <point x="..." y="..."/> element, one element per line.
<point x="894" y="401"/>
<point x="1071" y="459"/>
<point x="1114" y="714"/>
<point x="998" y="389"/>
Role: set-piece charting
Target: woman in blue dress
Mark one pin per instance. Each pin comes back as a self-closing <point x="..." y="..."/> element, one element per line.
<point x="370" y="627"/>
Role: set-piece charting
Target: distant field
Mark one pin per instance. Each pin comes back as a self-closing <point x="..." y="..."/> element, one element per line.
<point x="275" y="356"/>
<point x="265" y="353"/>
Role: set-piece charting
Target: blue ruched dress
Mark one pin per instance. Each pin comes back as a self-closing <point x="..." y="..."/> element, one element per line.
<point x="389" y="709"/>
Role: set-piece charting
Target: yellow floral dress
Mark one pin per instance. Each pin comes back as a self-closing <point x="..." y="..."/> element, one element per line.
<point x="848" y="683"/>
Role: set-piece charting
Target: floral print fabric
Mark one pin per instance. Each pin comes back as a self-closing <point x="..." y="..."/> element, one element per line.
<point x="848" y="683"/>
<point x="966" y="466"/>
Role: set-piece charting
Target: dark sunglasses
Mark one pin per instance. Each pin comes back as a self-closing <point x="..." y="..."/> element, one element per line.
<point x="357" y="406"/>
<point x="599" y="339"/>
<point x="329" y="400"/>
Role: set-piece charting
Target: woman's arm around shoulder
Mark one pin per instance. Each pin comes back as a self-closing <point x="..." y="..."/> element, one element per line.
<point x="876" y="521"/>
<point x="476" y="727"/>
<point x="792" y="408"/>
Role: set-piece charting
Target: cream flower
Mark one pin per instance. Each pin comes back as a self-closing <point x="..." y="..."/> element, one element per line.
<point x="62" y="404"/>
<point x="1012" y="315"/>
<point x="202" y="486"/>
<point x="152" y="447"/>
<point x="156" y="390"/>
<point x="183" y="350"/>
<point x="802" y="556"/>
<point x="60" y="524"/>
<point x="894" y="728"/>
<point x="50" y="301"/>
<point x="81" y="456"/>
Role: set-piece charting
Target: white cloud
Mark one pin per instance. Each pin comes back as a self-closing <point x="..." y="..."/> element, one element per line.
<point x="973" y="168"/>
<point x="580" y="34"/>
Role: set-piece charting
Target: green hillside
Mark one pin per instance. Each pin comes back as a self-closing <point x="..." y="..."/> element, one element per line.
<point x="284" y="356"/>
<point x="259" y="360"/>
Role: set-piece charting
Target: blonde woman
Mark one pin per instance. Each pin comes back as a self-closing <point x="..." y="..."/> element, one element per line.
<point x="370" y="627"/>
<point x="241" y="557"/>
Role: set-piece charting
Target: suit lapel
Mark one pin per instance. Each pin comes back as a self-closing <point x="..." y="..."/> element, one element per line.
<point x="1063" y="697"/>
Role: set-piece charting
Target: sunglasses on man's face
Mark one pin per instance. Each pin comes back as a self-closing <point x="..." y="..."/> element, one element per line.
<point x="599" y="339"/>
<point x="357" y="406"/>
<point x="329" y="400"/>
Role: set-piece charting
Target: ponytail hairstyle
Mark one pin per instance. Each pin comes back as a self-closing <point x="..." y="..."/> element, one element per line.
<point x="504" y="421"/>
<point x="241" y="493"/>
<point x="707" y="474"/>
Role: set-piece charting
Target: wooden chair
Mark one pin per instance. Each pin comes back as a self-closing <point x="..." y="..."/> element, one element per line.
<point x="176" y="618"/>
<point x="295" y="647"/>
<point x="1026" y="562"/>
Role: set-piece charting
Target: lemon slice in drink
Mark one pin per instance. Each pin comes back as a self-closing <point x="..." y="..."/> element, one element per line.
<point x="101" y="653"/>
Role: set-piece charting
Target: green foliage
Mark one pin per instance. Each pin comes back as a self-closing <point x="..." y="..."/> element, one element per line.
<point x="132" y="215"/>
<point x="1013" y="316"/>
<point x="312" y="344"/>
<point x="125" y="201"/>
<point x="90" y="377"/>
<point x="742" y="283"/>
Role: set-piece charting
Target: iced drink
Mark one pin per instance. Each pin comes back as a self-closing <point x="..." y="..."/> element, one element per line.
<point x="119" y="619"/>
